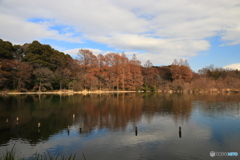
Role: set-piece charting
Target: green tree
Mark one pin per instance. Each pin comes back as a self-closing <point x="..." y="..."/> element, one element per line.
<point x="39" y="54"/>
<point x="6" y="50"/>
<point x="19" y="52"/>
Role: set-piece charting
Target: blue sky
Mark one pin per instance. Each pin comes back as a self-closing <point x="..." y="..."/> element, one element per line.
<point x="203" y="32"/>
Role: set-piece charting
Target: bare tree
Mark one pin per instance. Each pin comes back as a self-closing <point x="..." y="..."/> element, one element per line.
<point x="43" y="76"/>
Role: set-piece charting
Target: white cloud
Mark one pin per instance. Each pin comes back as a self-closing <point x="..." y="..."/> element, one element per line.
<point x="74" y="52"/>
<point x="232" y="33"/>
<point x="159" y="51"/>
<point x="129" y="54"/>
<point x="19" y="31"/>
<point x="162" y="30"/>
<point x="233" y="66"/>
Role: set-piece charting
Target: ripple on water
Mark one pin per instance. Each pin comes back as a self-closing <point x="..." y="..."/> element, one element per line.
<point x="4" y="144"/>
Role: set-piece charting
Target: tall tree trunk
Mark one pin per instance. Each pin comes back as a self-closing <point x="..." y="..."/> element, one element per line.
<point x="18" y="85"/>
<point x="123" y="81"/>
<point x="73" y="84"/>
<point x="40" y="85"/>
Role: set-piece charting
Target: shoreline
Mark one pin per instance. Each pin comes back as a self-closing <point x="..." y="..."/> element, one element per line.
<point x="85" y="92"/>
<point x="64" y="92"/>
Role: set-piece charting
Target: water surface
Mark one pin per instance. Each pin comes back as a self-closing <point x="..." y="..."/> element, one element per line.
<point x="121" y="126"/>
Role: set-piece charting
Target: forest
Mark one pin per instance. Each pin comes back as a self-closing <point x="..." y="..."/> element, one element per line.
<point x="38" y="67"/>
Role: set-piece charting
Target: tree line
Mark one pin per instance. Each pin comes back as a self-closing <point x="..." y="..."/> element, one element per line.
<point x="39" y="67"/>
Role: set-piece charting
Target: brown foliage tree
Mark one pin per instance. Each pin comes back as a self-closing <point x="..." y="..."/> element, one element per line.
<point x="150" y="74"/>
<point x="87" y="58"/>
<point x="15" y="74"/>
<point x="181" y="73"/>
<point x="7" y="73"/>
<point x="23" y="74"/>
<point x="136" y="71"/>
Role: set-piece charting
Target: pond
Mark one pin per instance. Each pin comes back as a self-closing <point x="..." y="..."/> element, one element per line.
<point x="132" y="126"/>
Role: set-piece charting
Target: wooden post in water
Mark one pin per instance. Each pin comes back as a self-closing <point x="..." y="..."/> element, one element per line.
<point x="73" y="117"/>
<point x="17" y="120"/>
<point x="68" y="129"/>
<point x="7" y="122"/>
<point x="80" y="129"/>
<point x="136" y="130"/>
<point x="39" y="125"/>
<point x="180" y="132"/>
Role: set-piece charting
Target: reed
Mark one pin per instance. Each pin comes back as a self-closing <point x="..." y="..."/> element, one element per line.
<point x="10" y="155"/>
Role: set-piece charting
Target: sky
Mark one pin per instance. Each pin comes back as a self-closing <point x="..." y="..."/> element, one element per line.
<point x="202" y="32"/>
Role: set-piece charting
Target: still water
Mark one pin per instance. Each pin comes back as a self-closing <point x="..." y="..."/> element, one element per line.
<point x="129" y="126"/>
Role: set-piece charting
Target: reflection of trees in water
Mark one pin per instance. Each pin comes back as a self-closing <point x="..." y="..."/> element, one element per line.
<point x="214" y="105"/>
<point x="98" y="111"/>
<point x="95" y="111"/>
<point x="113" y="111"/>
<point x="31" y="109"/>
<point x="176" y="105"/>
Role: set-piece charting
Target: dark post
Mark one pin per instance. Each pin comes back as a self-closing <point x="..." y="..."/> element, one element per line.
<point x="80" y="129"/>
<point x="136" y="131"/>
<point x="68" y="130"/>
<point x="180" y="132"/>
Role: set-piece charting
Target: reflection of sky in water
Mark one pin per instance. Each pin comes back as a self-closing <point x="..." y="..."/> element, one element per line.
<point x="223" y="123"/>
<point x="210" y="127"/>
